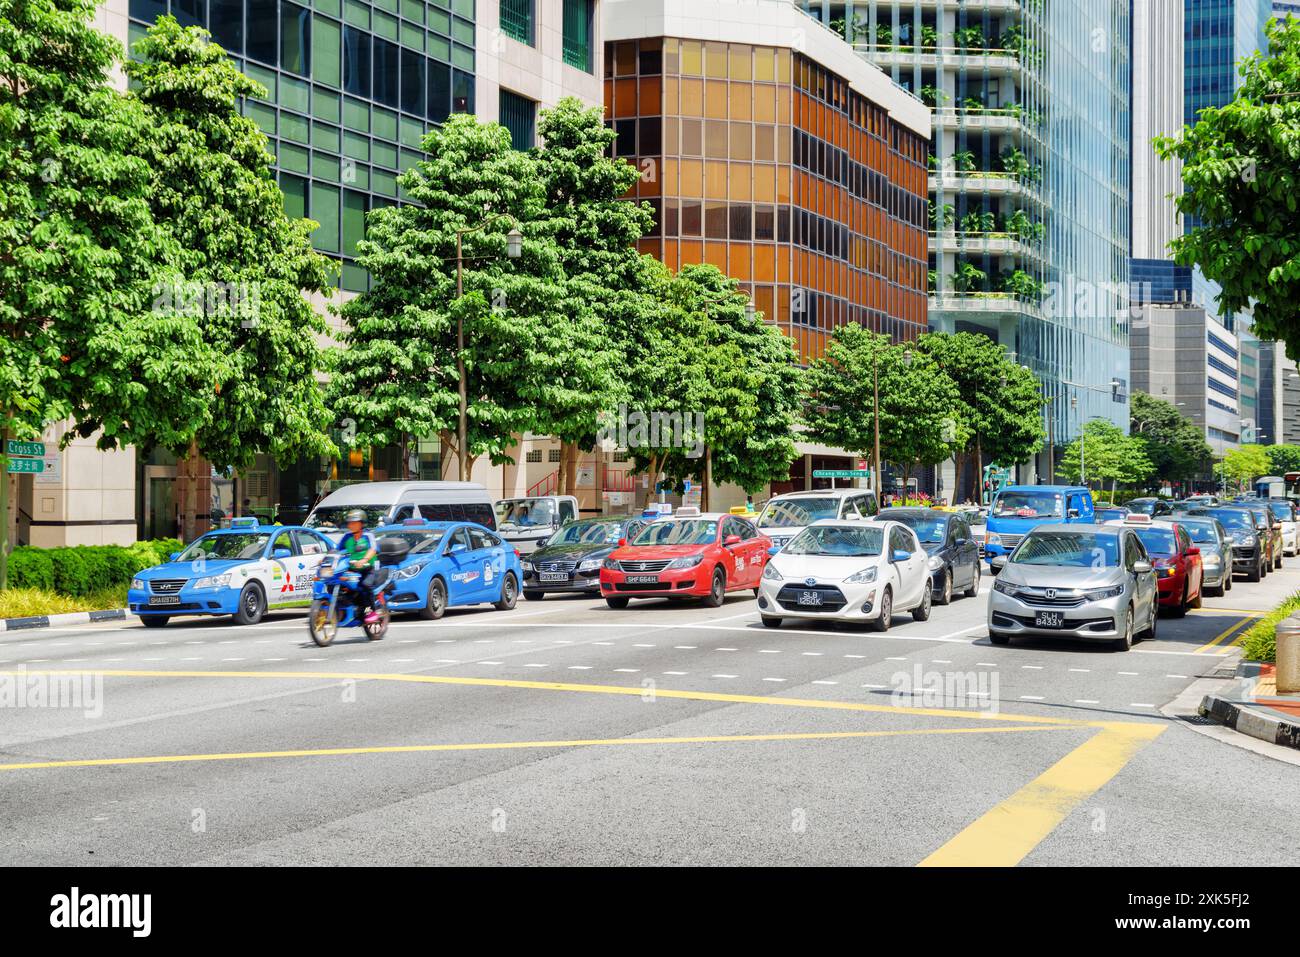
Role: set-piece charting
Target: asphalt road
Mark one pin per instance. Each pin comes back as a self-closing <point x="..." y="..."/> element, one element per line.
<point x="564" y="732"/>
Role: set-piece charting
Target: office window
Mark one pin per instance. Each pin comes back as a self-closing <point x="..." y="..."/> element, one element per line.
<point x="412" y="82"/>
<point x="577" y="34"/>
<point x="325" y="44"/>
<point x="188" y="13"/>
<point x="295" y="39"/>
<point x="354" y="220"/>
<point x="519" y="116"/>
<point x="439" y="82"/>
<point x="385" y="86"/>
<point x="295" y="195"/>
<point x="325" y="210"/>
<point x="517" y="20"/>
<point x="227" y="24"/>
<point x="356" y="61"/>
<point x="263" y="31"/>
<point x="462" y="92"/>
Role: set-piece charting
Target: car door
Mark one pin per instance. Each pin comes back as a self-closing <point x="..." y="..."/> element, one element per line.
<point x="755" y="553"/>
<point x="736" y="565"/>
<point x="961" y="573"/>
<point x="491" y="558"/>
<point x="912" y="570"/>
<point x="1144" y="585"/>
<point x="1194" y="564"/>
<point x="463" y="573"/>
<point x="310" y="551"/>
<point x="970" y="550"/>
<point x="282" y="562"/>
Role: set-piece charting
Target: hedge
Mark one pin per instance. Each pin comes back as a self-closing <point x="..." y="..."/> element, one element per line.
<point x="81" y="569"/>
<point x="1259" y="643"/>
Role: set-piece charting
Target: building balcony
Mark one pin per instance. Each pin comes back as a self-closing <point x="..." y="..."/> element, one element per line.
<point x="995" y="62"/>
<point x="986" y="121"/>
<point x="989" y="183"/>
<point x="985" y="304"/>
<point x="972" y="6"/>
<point x="976" y="244"/>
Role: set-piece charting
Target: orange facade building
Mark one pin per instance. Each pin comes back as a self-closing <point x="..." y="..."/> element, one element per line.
<point x="764" y="162"/>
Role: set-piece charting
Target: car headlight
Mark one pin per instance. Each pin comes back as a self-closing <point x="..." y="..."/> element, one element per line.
<point x="137" y="584"/>
<point x="1210" y="558"/>
<point x="610" y="563"/>
<point x="1004" y="586"/>
<point x="862" y="577"/>
<point x="409" y="571"/>
<point x="686" y="561"/>
<point x="527" y="565"/>
<point x="1100" y="594"/>
<point x="992" y="538"/>
<point x="771" y="574"/>
<point x="1250" y="541"/>
<point x="214" y="581"/>
<point x="935" y="563"/>
<point x="590" y="565"/>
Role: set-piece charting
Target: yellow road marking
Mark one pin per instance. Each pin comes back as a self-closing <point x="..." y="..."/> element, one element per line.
<point x="512" y="745"/>
<point x="624" y="690"/>
<point x="1006" y="834"/>
<point x="1249" y="612"/>
<point x="1224" y="634"/>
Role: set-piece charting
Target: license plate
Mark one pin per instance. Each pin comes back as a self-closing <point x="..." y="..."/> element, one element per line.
<point x="552" y="577"/>
<point x="810" y="598"/>
<point x="164" y="599"/>
<point x="642" y="579"/>
<point x="1049" y="619"/>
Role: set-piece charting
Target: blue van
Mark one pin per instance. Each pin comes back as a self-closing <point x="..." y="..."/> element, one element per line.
<point x="1018" y="509"/>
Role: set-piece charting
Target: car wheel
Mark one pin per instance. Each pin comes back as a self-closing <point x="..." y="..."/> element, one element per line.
<point x="1255" y="574"/>
<point x="1218" y="590"/>
<point x="757" y="591"/>
<point x="945" y="593"/>
<point x="922" y="611"/>
<point x="1150" y="633"/>
<point x="532" y="595"/>
<point x="771" y="621"/>
<point x="1278" y="563"/>
<point x="886" y="617"/>
<point x="1196" y="602"/>
<point x="1227" y="582"/>
<point x="437" y="601"/>
<point x="252" y="605"/>
<point x="1179" y="610"/>
<point x="1125" y="641"/>
<point x="509" y="593"/>
<point x="717" y="589"/>
<point x="155" y="621"/>
<point x="974" y="588"/>
<point x="616" y="602"/>
<point x="998" y="638"/>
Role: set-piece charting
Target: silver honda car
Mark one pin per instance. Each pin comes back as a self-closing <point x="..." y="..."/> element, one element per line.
<point x="1085" y="582"/>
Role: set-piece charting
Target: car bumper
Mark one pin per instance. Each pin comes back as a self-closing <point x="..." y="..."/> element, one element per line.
<point x="584" y="583"/>
<point x="841" y="602"/>
<point x="1245" y="559"/>
<point x="678" y="582"/>
<point x="1091" y="621"/>
<point x="189" y="601"/>
<point x="1170" y="590"/>
<point x="1213" y="575"/>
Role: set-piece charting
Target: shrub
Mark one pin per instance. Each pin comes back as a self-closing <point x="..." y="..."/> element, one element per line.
<point x="1259" y="643"/>
<point x="81" y="569"/>
<point x="71" y="571"/>
<point x="31" y="568"/>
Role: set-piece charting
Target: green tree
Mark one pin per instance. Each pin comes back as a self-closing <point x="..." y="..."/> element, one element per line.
<point x="79" y="250"/>
<point x="1241" y="178"/>
<point x="1108" y="455"/>
<point x="246" y="267"/>
<point x="1245" y="464"/>
<point x="1174" y="444"/>
<point x="1000" y="401"/>
<point x="1283" y="459"/>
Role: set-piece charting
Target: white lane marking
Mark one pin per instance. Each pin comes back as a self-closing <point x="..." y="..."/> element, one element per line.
<point x="1131" y="674"/>
<point x="1086" y="701"/>
<point x="1081" y="670"/>
<point x="1031" y="697"/>
<point x="575" y="667"/>
<point x="534" y="664"/>
<point x="309" y="659"/>
<point x="286" y="659"/>
<point x="245" y="659"/>
<point x="406" y="641"/>
<point x="1175" y="676"/>
<point x="446" y="661"/>
<point x="726" y="676"/>
<point x="875" y="686"/>
<point x="895" y="658"/>
<point x="630" y="671"/>
<point x="985" y="664"/>
<point x="602" y="642"/>
<point x="1140" y="704"/>
<point x="855" y="656"/>
<point x="769" y="651"/>
<point x="726" y="649"/>
<point x="811" y="654"/>
<point x="825" y="682"/>
<point x="489" y="662"/>
<point x="680" y="673"/>
<point x="685" y="647"/>
<point x="940" y="661"/>
<point x="774" y="679"/>
<point x="1032" y="667"/>
<point x="643" y="646"/>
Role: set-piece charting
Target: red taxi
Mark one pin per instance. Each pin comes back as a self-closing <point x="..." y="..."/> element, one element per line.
<point x="689" y="555"/>
<point x="1177" y="561"/>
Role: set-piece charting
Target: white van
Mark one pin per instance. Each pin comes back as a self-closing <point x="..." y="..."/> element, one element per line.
<point x="785" y="516"/>
<point x="386" y="503"/>
<point x="526" y="522"/>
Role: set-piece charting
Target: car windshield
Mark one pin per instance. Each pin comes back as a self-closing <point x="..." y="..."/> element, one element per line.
<point x="226" y="545"/>
<point x="1231" y="518"/>
<point x="588" y="533"/>
<point x="1283" y="511"/>
<point x="837" y="540"/>
<point x="419" y="542"/>
<point x="696" y="531"/>
<point x="1145" y="506"/>
<point x="1027" y="505"/>
<point x="929" y="529"/>
<point x="1161" y="541"/>
<point x="785" y="513"/>
<point x="1110" y="514"/>
<point x="525" y="512"/>
<point x="336" y="516"/>
<point x="1075" y="549"/>
<point x="1201" y="531"/>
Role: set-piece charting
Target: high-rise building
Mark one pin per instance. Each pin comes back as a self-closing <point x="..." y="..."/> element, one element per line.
<point x="1157" y="111"/>
<point x="1029" y="180"/>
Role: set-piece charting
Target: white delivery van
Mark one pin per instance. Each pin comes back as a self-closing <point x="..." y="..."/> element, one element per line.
<point x="386" y="503"/>
<point x="526" y="522"/>
<point x="785" y="516"/>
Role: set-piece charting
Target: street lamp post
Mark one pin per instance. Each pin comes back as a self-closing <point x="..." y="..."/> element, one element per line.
<point x="514" y="248"/>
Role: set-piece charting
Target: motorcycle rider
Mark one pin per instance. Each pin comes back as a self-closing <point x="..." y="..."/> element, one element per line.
<point x="362" y="553"/>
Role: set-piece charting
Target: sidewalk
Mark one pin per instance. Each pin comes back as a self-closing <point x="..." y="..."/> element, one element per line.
<point x="1254" y="707"/>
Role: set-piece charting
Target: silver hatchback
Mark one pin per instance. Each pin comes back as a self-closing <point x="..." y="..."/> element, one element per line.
<point x="1083" y="582"/>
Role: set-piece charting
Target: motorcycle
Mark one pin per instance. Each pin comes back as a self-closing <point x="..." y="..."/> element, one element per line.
<point x="333" y="605"/>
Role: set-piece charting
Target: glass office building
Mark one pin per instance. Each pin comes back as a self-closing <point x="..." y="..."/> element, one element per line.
<point x="1029" y="178"/>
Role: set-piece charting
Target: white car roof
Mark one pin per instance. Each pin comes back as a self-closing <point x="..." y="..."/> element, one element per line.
<point x="379" y="493"/>
<point x="821" y="493"/>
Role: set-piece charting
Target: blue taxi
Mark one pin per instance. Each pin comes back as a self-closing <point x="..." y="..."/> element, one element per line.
<point x="448" y="564"/>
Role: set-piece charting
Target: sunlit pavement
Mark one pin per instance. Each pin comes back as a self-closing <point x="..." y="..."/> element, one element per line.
<point x="567" y="732"/>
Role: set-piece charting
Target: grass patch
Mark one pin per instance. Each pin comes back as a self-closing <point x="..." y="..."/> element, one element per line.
<point x="1260" y="642"/>
<point x="25" y="602"/>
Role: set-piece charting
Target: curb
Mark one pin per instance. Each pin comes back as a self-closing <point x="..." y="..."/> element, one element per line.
<point x="1249" y="721"/>
<point x="53" y="621"/>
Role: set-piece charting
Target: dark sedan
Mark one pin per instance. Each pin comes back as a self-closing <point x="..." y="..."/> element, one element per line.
<point x="1149" y="506"/>
<point x="569" y="561"/>
<point x="954" y="553"/>
<point x="1251" y="553"/>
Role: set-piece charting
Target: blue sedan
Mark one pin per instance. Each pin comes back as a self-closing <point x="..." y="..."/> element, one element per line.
<point x="450" y="563"/>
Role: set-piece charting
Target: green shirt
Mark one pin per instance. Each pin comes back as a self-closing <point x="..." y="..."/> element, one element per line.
<point x="355" y="548"/>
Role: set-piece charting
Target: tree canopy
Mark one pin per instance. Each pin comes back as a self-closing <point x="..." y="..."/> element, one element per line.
<point x="1174" y="443"/>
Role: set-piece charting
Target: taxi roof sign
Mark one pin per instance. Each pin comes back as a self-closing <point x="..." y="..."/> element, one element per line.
<point x="688" y="511"/>
<point x="246" y="521"/>
<point x="1137" y="518"/>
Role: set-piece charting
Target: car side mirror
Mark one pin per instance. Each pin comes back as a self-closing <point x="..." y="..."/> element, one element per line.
<point x="773" y="550"/>
<point x="1193" y="550"/>
<point x="731" y="540"/>
<point x="999" y="562"/>
<point x="1072" y="513"/>
<point x="1142" y="567"/>
<point x="901" y="555"/>
<point x="281" y="552"/>
<point x="173" y="556"/>
<point x="963" y="541"/>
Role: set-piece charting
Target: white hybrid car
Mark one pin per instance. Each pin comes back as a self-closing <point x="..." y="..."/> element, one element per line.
<point x="847" y="570"/>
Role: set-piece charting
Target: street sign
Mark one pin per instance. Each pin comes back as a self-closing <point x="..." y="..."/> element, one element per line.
<point x="841" y="473"/>
<point x="26" y="466"/>
<point x="14" y="447"/>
